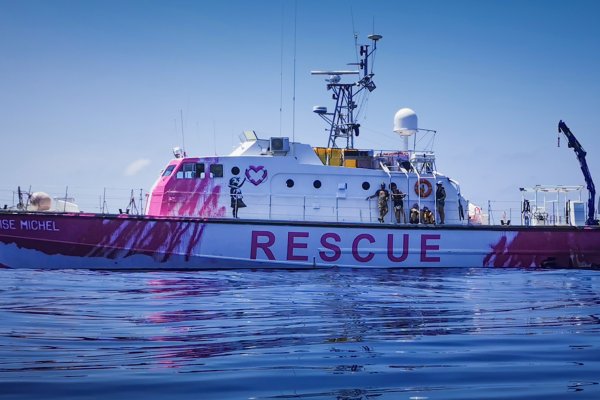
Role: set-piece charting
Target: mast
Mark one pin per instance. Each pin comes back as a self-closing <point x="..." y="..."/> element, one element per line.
<point x="342" y="121"/>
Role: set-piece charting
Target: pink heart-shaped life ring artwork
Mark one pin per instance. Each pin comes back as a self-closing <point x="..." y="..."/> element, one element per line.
<point x="256" y="174"/>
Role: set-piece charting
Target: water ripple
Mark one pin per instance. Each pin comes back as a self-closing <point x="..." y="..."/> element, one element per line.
<point x="333" y="334"/>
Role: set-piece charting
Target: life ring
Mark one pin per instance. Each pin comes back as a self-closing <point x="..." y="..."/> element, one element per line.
<point x="423" y="188"/>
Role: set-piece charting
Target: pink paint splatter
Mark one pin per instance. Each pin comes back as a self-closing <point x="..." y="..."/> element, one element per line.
<point x="551" y="248"/>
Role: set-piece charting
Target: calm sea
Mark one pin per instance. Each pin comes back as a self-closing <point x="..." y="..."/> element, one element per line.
<point x="329" y="334"/>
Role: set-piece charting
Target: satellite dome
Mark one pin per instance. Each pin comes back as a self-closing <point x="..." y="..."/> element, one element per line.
<point x="406" y="122"/>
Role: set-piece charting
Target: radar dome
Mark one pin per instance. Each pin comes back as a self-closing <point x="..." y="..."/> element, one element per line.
<point x="406" y="122"/>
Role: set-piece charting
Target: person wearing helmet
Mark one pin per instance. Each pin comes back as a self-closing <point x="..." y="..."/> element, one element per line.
<point x="382" y="201"/>
<point x="440" y="200"/>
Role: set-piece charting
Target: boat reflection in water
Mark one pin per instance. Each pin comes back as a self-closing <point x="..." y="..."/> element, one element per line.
<point x="336" y="333"/>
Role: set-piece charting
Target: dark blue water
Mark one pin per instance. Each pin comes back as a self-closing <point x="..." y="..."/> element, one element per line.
<point x="422" y="334"/>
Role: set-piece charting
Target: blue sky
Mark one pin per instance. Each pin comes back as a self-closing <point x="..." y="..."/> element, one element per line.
<point x="88" y="88"/>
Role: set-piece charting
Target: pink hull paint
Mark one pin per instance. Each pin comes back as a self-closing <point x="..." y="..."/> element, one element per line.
<point x="35" y="240"/>
<point x="186" y="197"/>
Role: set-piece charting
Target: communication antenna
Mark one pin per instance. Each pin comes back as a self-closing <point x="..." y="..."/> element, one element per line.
<point x="281" y="75"/>
<point x="182" y="134"/>
<point x="294" y="94"/>
<point x="20" y="204"/>
<point x="354" y="32"/>
<point x="342" y="121"/>
<point x="215" y="137"/>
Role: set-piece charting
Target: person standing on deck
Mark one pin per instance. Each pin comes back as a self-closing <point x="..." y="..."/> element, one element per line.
<point x="398" y="201"/>
<point x="440" y="201"/>
<point x="382" y="201"/>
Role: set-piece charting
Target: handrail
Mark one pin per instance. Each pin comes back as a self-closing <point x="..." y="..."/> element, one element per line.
<point x="304" y="207"/>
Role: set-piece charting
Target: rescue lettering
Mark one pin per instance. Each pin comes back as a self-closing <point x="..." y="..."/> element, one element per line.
<point x="337" y="252"/>
<point x="263" y="245"/>
<point x="291" y="245"/>
<point x="426" y="246"/>
<point x="363" y="248"/>
<point x="356" y="254"/>
<point x="390" y="248"/>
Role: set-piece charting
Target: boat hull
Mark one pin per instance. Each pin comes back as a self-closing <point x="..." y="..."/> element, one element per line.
<point x="94" y="241"/>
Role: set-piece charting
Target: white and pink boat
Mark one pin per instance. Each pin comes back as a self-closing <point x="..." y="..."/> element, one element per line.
<point x="276" y="203"/>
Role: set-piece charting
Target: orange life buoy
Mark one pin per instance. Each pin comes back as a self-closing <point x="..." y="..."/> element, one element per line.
<point x="423" y="188"/>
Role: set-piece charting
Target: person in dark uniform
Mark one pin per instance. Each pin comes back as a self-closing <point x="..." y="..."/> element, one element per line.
<point x="382" y="201"/>
<point x="440" y="201"/>
<point x="398" y="201"/>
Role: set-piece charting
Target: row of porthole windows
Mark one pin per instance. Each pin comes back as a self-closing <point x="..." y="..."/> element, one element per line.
<point x="290" y="183"/>
<point x="317" y="184"/>
<point x="196" y="170"/>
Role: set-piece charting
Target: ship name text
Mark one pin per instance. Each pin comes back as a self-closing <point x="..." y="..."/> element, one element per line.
<point x="28" y="225"/>
<point x="363" y="248"/>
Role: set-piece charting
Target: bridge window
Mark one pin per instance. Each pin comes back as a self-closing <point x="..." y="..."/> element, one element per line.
<point x="169" y="170"/>
<point x="216" y="170"/>
<point x="187" y="171"/>
<point x="199" y="170"/>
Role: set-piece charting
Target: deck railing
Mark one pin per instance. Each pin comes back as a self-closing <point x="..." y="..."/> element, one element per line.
<point x="337" y="208"/>
<point x="109" y="201"/>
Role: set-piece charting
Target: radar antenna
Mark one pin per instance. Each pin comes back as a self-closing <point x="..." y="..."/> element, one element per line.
<point x="342" y="121"/>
